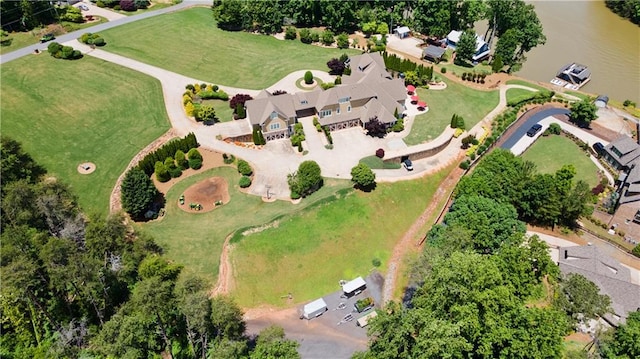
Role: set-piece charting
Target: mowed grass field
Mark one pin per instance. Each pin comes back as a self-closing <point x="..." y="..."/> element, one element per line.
<point x="552" y="152"/>
<point x="471" y="104"/>
<point x="189" y="43"/>
<point x="307" y="254"/>
<point x="68" y="112"/>
<point x="195" y="240"/>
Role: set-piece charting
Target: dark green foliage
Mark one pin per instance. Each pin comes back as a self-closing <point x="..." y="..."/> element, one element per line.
<point x="466" y="47"/>
<point x="290" y="33"/>
<point x="244" y="168"/>
<point x="582" y="113"/>
<point x="305" y="36"/>
<point x="241" y="112"/>
<point x="228" y="159"/>
<point x="195" y="163"/>
<point x="625" y="343"/>
<point x="17" y="164"/>
<point x="457" y="121"/>
<point x="298" y="135"/>
<point x="327" y="37"/>
<point x="162" y="172"/>
<point x="138" y="192"/>
<point x="543" y="96"/>
<point x="629" y="9"/>
<point x="272" y="343"/>
<point x="398" y="126"/>
<point x="71" y="14"/>
<point x="308" y="78"/>
<point x="466" y="141"/>
<point x="181" y="160"/>
<point x="579" y="298"/>
<point x="342" y="41"/>
<point x="327" y="133"/>
<point x="147" y="164"/>
<point x="496" y="65"/>
<point x="306" y="180"/>
<point x="553" y="129"/>
<point x="628" y="102"/>
<point x="636" y="251"/>
<point x="92" y="39"/>
<point x="258" y="137"/>
<point x="244" y="182"/>
<point x="63" y="52"/>
<point x="194" y="154"/>
<point x="363" y="177"/>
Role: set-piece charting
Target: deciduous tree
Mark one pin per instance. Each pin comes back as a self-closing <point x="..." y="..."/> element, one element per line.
<point x="583" y="112"/>
<point x="466" y="47"/>
<point x="363" y="177"/>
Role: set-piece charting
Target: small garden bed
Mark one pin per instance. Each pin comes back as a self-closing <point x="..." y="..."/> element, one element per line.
<point x="364" y="304"/>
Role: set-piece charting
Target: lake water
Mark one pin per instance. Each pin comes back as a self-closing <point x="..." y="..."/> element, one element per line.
<point x="589" y="33"/>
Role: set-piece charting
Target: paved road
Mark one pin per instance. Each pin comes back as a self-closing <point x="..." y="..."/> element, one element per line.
<point x="101" y="27"/>
<point x="524" y="127"/>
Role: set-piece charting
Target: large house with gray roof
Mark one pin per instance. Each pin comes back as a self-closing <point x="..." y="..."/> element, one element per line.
<point x="608" y="274"/>
<point x="624" y="155"/>
<point x="368" y="92"/>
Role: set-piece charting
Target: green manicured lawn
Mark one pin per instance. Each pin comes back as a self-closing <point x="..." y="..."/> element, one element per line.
<point x="23" y="39"/>
<point x="515" y="94"/>
<point x="459" y="70"/>
<point x="223" y="111"/>
<point x="374" y="162"/>
<point x="550" y="153"/>
<point x="195" y="239"/>
<point x="526" y="83"/>
<point x="580" y="95"/>
<point x="307" y="254"/>
<point x="188" y="42"/>
<point x="68" y="112"/>
<point x="471" y="104"/>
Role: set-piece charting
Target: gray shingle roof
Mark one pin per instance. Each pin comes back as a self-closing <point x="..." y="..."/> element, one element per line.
<point x="434" y="52"/>
<point x="609" y="275"/>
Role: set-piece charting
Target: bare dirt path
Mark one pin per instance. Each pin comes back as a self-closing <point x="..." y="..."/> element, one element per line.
<point x="407" y="242"/>
<point x="224" y="284"/>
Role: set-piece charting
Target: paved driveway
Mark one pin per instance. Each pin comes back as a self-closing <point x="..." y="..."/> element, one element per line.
<point x="104" y="12"/>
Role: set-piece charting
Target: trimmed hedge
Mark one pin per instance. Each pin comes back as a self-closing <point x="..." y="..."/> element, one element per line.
<point x="244" y="168"/>
<point x="244" y="182"/>
<point x="147" y="164"/>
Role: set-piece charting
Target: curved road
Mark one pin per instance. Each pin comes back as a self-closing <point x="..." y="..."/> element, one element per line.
<point x="521" y="131"/>
<point x="10" y="56"/>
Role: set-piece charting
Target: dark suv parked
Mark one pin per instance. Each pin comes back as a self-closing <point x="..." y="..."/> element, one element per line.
<point x="533" y="130"/>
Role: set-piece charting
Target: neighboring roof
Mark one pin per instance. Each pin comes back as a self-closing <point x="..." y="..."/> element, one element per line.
<point x="632" y="194"/>
<point x="629" y="150"/>
<point x="260" y="109"/>
<point x="434" y="52"/>
<point x="402" y="30"/>
<point x="609" y="275"/>
<point x="353" y="285"/>
<point x="454" y="36"/>
<point x="603" y="98"/>
<point x="315" y="306"/>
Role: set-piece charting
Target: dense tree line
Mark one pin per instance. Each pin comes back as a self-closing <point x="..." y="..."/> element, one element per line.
<point x="629" y="9"/>
<point x="473" y="287"/>
<point x="543" y="199"/>
<point x="25" y="15"/>
<point x="74" y="286"/>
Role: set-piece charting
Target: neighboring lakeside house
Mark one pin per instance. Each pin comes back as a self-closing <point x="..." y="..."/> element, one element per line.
<point x="624" y="155"/>
<point x="609" y="275"/>
<point x="482" y="48"/>
<point x="370" y="91"/>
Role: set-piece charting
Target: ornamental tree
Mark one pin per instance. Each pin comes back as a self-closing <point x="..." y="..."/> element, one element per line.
<point x="375" y="128"/>
<point x="308" y="78"/>
<point x="306" y="180"/>
<point x="336" y="67"/>
<point x="363" y="177"/>
<point x="138" y="192"/>
<point x="582" y="113"/>
<point x="240" y="98"/>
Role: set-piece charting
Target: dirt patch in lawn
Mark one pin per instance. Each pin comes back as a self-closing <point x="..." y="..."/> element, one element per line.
<point x="205" y="194"/>
<point x="86" y="168"/>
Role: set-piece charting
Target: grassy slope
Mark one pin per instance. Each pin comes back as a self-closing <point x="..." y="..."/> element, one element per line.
<point x="552" y="152"/>
<point x="308" y="253"/>
<point x="188" y="42"/>
<point x="526" y="83"/>
<point x="471" y="104"/>
<point x="513" y="94"/>
<point x="68" y="112"/>
<point x="195" y="240"/>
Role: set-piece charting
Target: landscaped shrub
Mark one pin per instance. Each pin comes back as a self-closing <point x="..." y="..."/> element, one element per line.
<point x="190" y="87"/>
<point x="244" y="182"/>
<point x="63" y="52"/>
<point x="258" y="137"/>
<point x="240" y="112"/>
<point x="315" y="36"/>
<point x="328" y="38"/>
<point x="244" y="168"/>
<point x="92" y="39"/>
<point x="338" y="80"/>
<point x="467" y="141"/>
<point x="316" y="123"/>
<point x="380" y="153"/>
<point x="240" y="98"/>
<point x="175" y="172"/>
<point x="327" y="85"/>
<point x="290" y="33"/>
<point x="194" y="154"/>
<point x="71" y="14"/>
<point x="195" y="164"/>
<point x="168" y="150"/>
<point x="162" y="174"/>
<point x="342" y="41"/>
<point x="305" y="36"/>
<point x="298" y="136"/>
<point x="181" y="160"/>
<point x="128" y="5"/>
<point x="206" y="113"/>
<point x="141" y="4"/>
<point x="443" y="70"/>
<point x="398" y="126"/>
<point x="457" y="121"/>
<point x="308" y="78"/>
<point x="465" y="164"/>
<point x="228" y="159"/>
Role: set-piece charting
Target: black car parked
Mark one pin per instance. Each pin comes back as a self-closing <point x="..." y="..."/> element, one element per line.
<point x="534" y="129"/>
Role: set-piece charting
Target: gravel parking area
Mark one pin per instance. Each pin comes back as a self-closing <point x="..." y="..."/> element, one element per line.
<point x="325" y="336"/>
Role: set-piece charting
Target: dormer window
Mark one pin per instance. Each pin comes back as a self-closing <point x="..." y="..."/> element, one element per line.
<point x="304" y="102"/>
<point x="344" y="99"/>
<point x="274" y="115"/>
